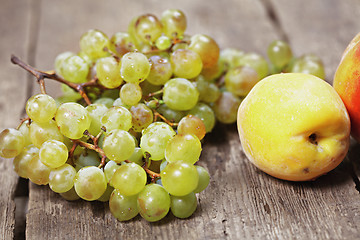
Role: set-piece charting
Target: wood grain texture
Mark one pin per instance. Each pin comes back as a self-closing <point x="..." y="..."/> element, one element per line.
<point x="13" y="30"/>
<point x="321" y="27"/>
<point x="241" y="202"/>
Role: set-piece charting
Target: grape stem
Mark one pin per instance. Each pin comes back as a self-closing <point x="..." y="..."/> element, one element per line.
<point x="72" y="150"/>
<point x="152" y="174"/>
<point x="22" y="121"/>
<point x="41" y="76"/>
<point x="154" y="93"/>
<point x="158" y="115"/>
<point x="94" y="147"/>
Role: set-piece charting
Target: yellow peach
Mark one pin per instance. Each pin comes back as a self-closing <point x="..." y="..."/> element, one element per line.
<point x="294" y="126"/>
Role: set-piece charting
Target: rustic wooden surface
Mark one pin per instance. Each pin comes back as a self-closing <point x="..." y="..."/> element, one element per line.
<point x="241" y="202"/>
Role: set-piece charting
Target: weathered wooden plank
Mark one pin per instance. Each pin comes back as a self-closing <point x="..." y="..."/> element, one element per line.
<point x="320" y="27"/>
<point x="328" y="207"/>
<point x="13" y="30"/>
<point x="241" y="202"/>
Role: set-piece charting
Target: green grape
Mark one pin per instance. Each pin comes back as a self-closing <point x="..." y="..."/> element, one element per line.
<point x="38" y="173"/>
<point x="135" y="67"/>
<point x="96" y="112"/>
<point x="106" y="195"/>
<point x="118" y="145"/>
<point x="174" y="23"/>
<point x="72" y="120"/>
<point x="60" y="59"/>
<point x="230" y="57"/>
<point x="153" y="103"/>
<point x="148" y="28"/>
<point x="192" y="125"/>
<point x="207" y="49"/>
<point x="123" y="208"/>
<point x="70" y="94"/>
<point x="137" y="157"/>
<point x="160" y="71"/>
<point x="180" y="45"/>
<point x="179" y="178"/>
<point x="138" y="44"/>
<point x="208" y="92"/>
<point x="87" y="158"/>
<point x="21" y="162"/>
<point x="186" y="63"/>
<point x="90" y="183"/>
<point x="117" y="118"/>
<point x="225" y="108"/>
<point x="108" y="102"/>
<point x="213" y="73"/>
<point x="163" y="164"/>
<point x="205" y="113"/>
<point x="130" y="93"/>
<point x="53" y="153"/>
<point x="279" y="53"/>
<point x="61" y="179"/>
<point x="309" y="64"/>
<point x="87" y="59"/>
<point x="257" y="62"/>
<point x="41" y="132"/>
<point x="121" y="43"/>
<point x="204" y="179"/>
<point x="170" y="114"/>
<point x="119" y="103"/>
<point x="93" y="42"/>
<point x="25" y="129"/>
<point x="109" y="171"/>
<point x="163" y="43"/>
<point x="142" y="116"/>
<point x="110" y="93"/>
<point x="75" y="69"/>
<point x="184" y="206"/>
<point x="155" y="138"/>
<point x="213" y="94"/>
<point x="240" y="80"/>
<point x="108" y="72"/>
<point x="12" y="143"/>
<point x="180" y="94"/>
<point x="129" y="179"/>
<point x="70" y="195"/>
<point x="63" y="99"/>
<point x="153" y="202"/>
<point x="186" y="148"/>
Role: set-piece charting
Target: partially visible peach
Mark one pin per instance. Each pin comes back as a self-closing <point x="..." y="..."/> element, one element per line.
<point x="347" y="83"/>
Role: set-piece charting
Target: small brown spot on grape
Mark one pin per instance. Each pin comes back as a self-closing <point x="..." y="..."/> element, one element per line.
<point x="313" y="138"/>
<point x="306" y="170"/>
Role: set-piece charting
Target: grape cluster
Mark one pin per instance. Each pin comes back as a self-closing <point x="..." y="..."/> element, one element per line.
<point x="128" y="128"/>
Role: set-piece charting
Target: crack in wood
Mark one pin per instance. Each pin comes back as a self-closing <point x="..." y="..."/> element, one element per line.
<point x="34" y="29"/>
<point x="354" y="176"/>
<point x="22" y="188"/>
<point x="352" y="160"/>
<point x="274" y="19"/>
<point x="21" y="203"/>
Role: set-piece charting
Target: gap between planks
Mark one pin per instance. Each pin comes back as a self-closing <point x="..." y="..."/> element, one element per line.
<point x="22" y="188"/>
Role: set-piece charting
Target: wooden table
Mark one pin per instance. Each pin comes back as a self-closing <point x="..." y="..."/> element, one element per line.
<point x="241" y="202"/>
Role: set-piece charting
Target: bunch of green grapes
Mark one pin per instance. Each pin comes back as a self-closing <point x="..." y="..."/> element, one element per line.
<point x="155" y="93"/>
